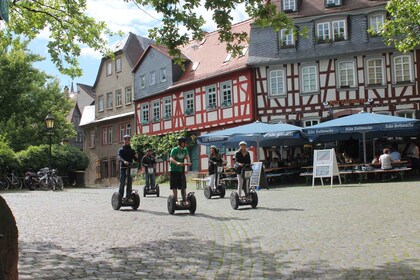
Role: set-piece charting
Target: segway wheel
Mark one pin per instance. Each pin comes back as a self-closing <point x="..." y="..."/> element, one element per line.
<point x="254" y="200"/>
<point x="207" y="192"/>
<point x="222" y="191"/>
<point x="234" y="200"/>
<point x="171" y="204"/>
<point x="193" y="204"/>
<point x="136" y="200"/>
<point x="116" y="201"/>
<point x="144" y="191"/>
<point x="157" y="191"/>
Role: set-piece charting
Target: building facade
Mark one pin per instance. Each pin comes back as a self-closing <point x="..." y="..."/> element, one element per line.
<point x="339" y="66"/>
<point x="112" y="117"/>
<point x="213" y="91"/>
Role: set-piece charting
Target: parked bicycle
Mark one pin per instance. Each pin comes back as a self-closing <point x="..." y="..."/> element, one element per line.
<point x="14" y="181"/>
<point x="44" y="179"/>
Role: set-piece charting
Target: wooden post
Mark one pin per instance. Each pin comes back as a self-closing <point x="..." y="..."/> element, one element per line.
<point x="9" y="253"/>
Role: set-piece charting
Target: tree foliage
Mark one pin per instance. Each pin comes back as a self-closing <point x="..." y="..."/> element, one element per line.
<point x="403" y="28"/>
<point x="26" y="97"/>
<point x="67" y="23"/>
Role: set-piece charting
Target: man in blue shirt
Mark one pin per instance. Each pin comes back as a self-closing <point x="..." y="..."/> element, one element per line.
<point x="126" y="156"/>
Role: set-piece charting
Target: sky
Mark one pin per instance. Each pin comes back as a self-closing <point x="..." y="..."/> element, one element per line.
<point x="119" y="16"/>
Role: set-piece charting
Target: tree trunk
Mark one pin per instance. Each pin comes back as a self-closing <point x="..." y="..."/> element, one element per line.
<point x="9" y="253"/>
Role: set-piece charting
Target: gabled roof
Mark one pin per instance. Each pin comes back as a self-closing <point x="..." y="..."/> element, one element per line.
<point x="88" y="89"/>
<point x="88" y="115"/>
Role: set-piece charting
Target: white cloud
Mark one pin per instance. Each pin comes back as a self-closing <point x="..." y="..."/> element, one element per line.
<point x="90" y="52"/>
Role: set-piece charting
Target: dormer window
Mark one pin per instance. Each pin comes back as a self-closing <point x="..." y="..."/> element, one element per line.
<point x="375" y="22"/>
<point x="289" y="6"/>
<point x="287" y="38"/>
<point x="332" y="3"/>
<point x="330" y="31"/>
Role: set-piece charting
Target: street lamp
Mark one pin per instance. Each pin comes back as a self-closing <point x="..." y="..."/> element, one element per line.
<point x="49" y="123"/>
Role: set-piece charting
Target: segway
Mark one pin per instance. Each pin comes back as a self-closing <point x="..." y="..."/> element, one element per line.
<point x="220" y="189"/>
<point x="154" y="190"/>
<point x="190" y="205"/>
<point x="250" y="197"/>
<point x="118" y="202"/>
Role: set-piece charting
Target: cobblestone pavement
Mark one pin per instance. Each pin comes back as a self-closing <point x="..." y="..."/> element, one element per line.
<point x="368" y="231"/>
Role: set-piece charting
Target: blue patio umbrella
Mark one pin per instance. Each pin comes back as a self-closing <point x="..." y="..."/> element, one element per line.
<point x="361" y="126"/>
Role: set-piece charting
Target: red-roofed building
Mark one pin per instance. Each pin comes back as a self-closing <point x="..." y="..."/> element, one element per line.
<point x="214" y="91"/>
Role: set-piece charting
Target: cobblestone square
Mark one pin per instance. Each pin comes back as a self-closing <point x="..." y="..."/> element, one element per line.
<point x="368" y="231"/>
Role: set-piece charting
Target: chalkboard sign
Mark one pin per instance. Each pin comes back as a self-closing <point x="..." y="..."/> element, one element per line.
<point x="325" y="166"/>
<point x="258" y="179"/>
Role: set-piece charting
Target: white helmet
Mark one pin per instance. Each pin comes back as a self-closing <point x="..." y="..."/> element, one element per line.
<point x="242" y="143"/>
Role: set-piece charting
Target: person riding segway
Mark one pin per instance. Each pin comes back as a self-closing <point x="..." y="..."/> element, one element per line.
<point x="243" y="170"/>
<point x="126" y="156"/>
<point x="179" y="158"/>
<point x="149" y="163"/>
<point x="216" y="168"/>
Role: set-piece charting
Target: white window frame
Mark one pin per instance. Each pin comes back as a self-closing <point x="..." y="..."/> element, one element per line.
<point x="375" y="68"/>
<point x="118" y="98"/>
<point x="92" y="138"/>
<point x="211" y="97"/>
<point x="104" y="135"/>
<point x="101" y="103"/>
<point x="334" y="24"/>
<point x="324" y="37"/>
<point x="312" y="120"/>
<point x="409" y="65"/>
<point x="109" y="68"/>
<point x="122" y="132"/>
<point x="333" y="2"/>
<point x="313" y="85"/>
<point x="353" y="72"/>
<point x="289" y="5"/>
<point x="280" y="91"/>
<point x="142" y="81"/>
<point x="145" y="112"/>
<point x="163" y="75"/>
<point x="287" y="38"/>
<point x="128" y="128"/>
<point x="189" y="103"/>
<point x="167" y="108"/>
<point x="129" y="94"/>
<point x="118" y="65"/>
<point x="110" y="135"/>
<point x="109" y="100"/>
<point x="226" y="93"/>
<point x="152" y="78"/>
<point x="156" y="110"/>
<point x="375" y="24"/>
<point x="404" y="113"/>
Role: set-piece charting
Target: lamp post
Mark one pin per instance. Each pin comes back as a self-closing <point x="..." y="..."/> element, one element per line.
<point x="49" y="123"/>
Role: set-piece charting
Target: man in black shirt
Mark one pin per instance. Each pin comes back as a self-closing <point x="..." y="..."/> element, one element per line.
<point x="126" y="156"/>
<point x="149" y="164"/>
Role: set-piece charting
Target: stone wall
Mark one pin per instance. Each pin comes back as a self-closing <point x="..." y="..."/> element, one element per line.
<point x="8" y="243"/>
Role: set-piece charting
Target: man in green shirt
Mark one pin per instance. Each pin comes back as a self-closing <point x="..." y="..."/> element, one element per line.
<point x="177" y="168"/>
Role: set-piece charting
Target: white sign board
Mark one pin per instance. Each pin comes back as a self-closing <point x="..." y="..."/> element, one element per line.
<point x="258" y="178"/>
<point x="325" y="166"/>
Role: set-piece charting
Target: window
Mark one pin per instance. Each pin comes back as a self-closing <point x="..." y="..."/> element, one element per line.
<point x="110" y="133"/>
<point x="152" y="78"/>
<point x="109" y="68"/>
<point x="310" y="122"/>
<point x="375" y="71"/>
<point x="332" y="3"/>
<point x="346" y="74"/>
<point x="104" y="169"/>
<point x="406" y="114"/>
<point x="189" y="102"/>
<point x="287" y="37"/>
<point x="163" y="75"/>
<point x="276" y="83"/>
<point x="125" y="128"/>
<point x="145" y="113"/>
<point x="104" y="136"/>
<point x="109" y="101"/>
<point x="142" y="81"/>
<point x="289" y="5"/>
<point x="156" y="110"/>
<point x="167" y="108"/>
<point x="309" y="78"/>
<point x="128" y="128"/>
<point x="211" y="95"/>
<point x="323" y="31"/>
<point x="402" y="69"/>
<point x="118" y="64"/>
<point x="79" y="138"/>
<point x="118" y="98"/>
<point x="113" y="167"/>
<point x="228" y="57"/>
<point x="376" y="22"/>
<point x="92" y="138"/>
<point x="128" y="96"/>
<point x="100" y="103"/>
<point x="226" y="93"/>
<point x="244" y="51"/>
<point x="339" y="30"/>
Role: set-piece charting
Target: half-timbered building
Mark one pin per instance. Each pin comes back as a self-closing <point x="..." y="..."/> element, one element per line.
<point x="333" y="64"/>
<point x="214" y="90"/>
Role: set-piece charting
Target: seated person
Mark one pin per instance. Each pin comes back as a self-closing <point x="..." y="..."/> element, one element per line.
<point x="347" y="158"/>
<point x="274" y="163"/>
<point x="340" y="158"/>
<point x="376" y="158"/>
<point x="385" y="160"/>
<point x="395" y="155"/>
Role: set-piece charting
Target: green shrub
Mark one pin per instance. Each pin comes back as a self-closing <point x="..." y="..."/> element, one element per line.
<point x="8" y="159"/>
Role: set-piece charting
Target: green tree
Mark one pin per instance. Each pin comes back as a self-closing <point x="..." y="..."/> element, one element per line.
<point x="67" y="23"/>
<point x="26" y="97"/>
<point x="403" y="28"/>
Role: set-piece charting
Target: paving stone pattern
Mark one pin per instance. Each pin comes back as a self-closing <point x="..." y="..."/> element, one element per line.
<point x="368" y="231"/>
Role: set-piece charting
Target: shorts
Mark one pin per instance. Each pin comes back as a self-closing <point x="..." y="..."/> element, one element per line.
<point x="177" y="180"/>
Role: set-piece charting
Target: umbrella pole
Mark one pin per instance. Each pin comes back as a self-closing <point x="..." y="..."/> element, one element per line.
<point x="364" y="146"/>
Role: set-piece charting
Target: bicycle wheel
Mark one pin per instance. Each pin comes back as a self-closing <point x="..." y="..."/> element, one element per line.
<point x="44" y="184"/>
<point x="17" y="182"/>
<point x="59" y="183"/>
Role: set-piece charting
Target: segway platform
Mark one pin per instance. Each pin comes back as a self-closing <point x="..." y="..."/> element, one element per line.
<point x="190" y="205"/>
<point x="220" y="191"/>
<point x="250" y="199"/>
<point x="151" y="191"/>
<point x="117" y="201"/>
